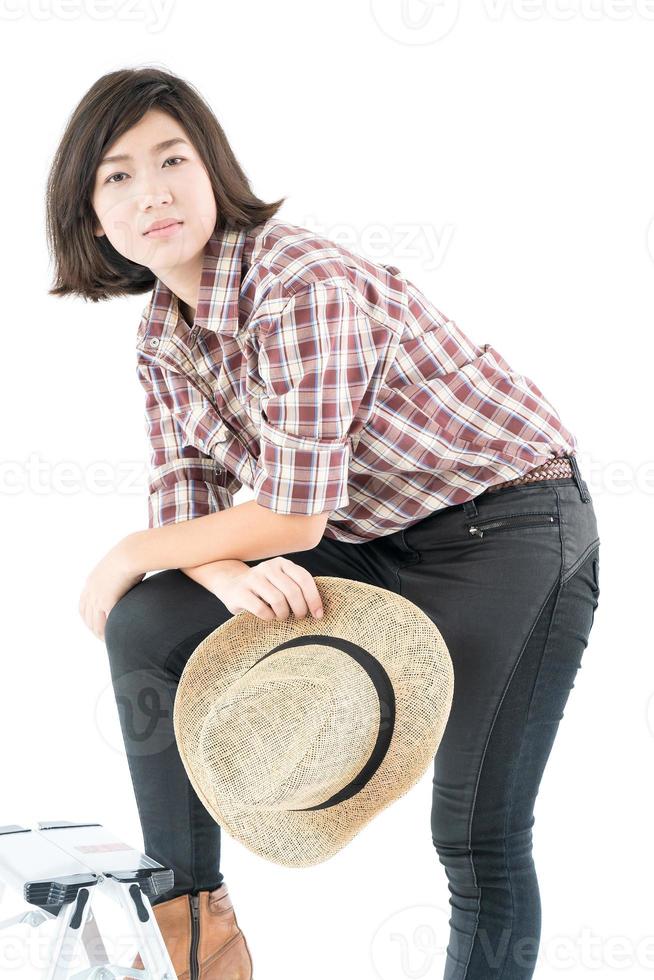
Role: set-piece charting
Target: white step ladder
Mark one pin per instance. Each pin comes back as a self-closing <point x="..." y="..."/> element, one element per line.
<point x="58" y="868"/>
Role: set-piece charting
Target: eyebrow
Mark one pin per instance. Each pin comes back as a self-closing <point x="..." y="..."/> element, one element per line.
<point x="157" y="148"/>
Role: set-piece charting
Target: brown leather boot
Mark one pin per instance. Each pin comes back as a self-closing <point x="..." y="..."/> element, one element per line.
<point x="203" y="937"/>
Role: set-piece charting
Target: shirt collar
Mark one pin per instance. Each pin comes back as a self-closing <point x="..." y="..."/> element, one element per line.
<point x="218" y="299"/>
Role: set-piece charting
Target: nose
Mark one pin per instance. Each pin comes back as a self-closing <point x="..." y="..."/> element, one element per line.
<point x="156" y="199"/>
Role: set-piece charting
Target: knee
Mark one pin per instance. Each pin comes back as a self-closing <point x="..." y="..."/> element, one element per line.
<point x="132" y="619"/>
<point x="489" y="848"/>
<point x="449" y="827"/>
<point x="456" y="836"/>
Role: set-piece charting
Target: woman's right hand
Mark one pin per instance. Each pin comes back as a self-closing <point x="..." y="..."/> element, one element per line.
<point x="273" y="589"/>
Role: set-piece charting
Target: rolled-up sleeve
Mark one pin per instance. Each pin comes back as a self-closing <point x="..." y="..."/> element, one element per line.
<point x="316" y="361"/>
<point x="183" y="482"/>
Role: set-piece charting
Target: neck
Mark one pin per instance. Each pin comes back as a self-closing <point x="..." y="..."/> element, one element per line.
<point x="188" y="312"/>
<point x="184" y="281"/>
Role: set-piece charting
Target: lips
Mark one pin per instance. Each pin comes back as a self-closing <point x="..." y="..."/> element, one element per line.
<point x="162" y="224"/>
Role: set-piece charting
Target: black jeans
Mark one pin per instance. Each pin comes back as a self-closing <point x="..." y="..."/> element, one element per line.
<point x="511" y="580"/>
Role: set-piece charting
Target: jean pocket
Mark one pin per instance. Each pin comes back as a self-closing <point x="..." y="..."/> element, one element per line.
<point x="508" y="522"/>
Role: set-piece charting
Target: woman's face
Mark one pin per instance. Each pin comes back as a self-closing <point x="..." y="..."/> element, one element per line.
<point x="152" y="184"/>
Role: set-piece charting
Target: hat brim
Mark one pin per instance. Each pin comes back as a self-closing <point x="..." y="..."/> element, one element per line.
<point x="412" y="651"/>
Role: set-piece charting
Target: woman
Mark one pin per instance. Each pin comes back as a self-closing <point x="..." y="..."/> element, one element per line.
<point x="381" y="444"/>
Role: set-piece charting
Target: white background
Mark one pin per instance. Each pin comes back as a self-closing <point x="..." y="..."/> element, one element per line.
<point x="505" y="154"/>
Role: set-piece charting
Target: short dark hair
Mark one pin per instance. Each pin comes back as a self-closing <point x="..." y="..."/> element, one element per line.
<point x="88" y="265"/>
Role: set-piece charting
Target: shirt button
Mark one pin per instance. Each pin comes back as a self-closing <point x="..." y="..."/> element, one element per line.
<point x="154" y="342"/>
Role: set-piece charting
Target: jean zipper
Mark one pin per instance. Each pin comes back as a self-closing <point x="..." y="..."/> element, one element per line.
<point x="527" y="520"/>
<point x="195" y="936"/>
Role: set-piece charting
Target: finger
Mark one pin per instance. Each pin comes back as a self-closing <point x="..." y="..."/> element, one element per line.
<point x="309" y="588"/>
<point x="255" y="604"/>
<point x="247" y="600"/>
<point x="291" y="589"/>
<point x="269" y="592"/>
<point x="242" y="598"/>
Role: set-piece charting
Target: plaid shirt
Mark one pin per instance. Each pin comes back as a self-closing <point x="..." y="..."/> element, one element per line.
<point x="326" y="382"/>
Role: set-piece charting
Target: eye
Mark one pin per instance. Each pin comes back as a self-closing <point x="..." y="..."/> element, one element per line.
<point x="110" y="179"/>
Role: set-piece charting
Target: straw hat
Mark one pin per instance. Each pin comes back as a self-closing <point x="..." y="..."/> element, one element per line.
<point x="295" y="733"/>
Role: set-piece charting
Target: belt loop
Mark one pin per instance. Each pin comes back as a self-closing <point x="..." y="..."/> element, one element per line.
<point x="470" y="508"/>
<point x="581" y="485"/>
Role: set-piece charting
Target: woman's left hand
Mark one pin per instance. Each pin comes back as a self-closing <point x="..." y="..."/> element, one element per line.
<point x="111" y="578"/>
